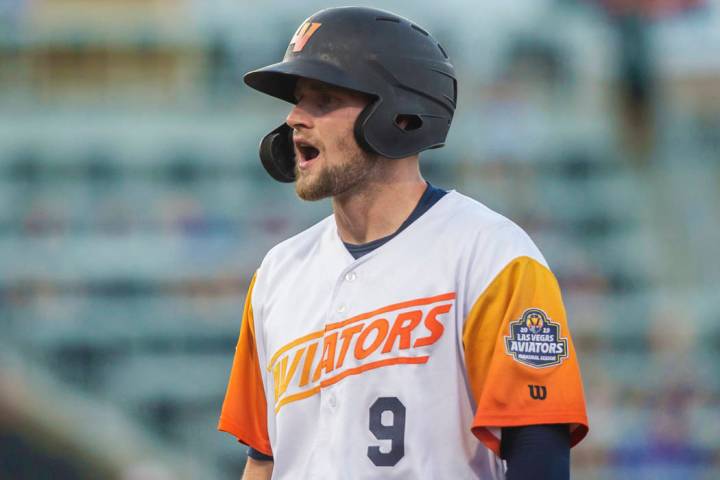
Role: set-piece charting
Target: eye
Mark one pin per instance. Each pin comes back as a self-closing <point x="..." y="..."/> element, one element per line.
<point x="325" y="100"/>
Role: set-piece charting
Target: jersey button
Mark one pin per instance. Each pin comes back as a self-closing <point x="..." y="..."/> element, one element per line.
<point x="332" y="401"/>
<point x="341" y="309"/>
<point x="350" y="276"/>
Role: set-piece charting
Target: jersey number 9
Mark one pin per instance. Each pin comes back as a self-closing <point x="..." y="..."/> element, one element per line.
<point x="394" y="431"/>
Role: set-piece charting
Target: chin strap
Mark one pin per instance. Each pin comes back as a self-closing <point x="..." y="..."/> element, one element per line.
<point x="277" y="154"/>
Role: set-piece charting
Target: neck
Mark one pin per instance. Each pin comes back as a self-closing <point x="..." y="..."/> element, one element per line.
<point x="380" y="205"/>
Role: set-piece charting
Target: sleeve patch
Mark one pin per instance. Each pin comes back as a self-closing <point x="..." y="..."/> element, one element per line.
<point x="535" y="340"/>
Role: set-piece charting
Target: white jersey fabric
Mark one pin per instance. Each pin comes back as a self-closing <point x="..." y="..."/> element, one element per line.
<point x="404" y="363"/>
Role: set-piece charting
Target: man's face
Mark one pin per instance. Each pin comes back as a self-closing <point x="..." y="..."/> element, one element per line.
<point x="329" y="161"/>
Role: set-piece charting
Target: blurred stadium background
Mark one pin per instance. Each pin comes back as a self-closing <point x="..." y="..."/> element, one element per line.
<point x="133" y="211"/>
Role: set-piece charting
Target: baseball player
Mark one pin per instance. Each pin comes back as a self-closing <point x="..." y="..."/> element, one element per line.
<point x="414" y="333"/>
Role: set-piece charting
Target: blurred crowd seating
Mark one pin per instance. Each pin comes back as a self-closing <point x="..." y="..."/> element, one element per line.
<point x="129" y="233"/>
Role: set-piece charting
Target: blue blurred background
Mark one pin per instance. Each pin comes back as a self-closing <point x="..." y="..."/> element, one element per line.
<point x="133" y="212"/>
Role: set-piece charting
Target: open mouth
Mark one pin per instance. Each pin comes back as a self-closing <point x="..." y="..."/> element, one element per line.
<point x="306" y="151"/>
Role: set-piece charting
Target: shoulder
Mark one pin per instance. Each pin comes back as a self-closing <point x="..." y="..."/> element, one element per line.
<point x="300" y="244"/>
<point x="487" y="244"/>
<point x="482" y="232"/>
<point x="293" y="251"/>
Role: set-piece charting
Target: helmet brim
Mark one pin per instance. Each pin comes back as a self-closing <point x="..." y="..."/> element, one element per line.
<point x="279" y="79"/>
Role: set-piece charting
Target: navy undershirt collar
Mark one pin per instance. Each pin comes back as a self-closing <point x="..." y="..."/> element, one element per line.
<point x="429" y="198"/>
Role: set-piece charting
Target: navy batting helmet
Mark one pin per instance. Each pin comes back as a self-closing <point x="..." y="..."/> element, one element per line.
<point x="398" y="64"/>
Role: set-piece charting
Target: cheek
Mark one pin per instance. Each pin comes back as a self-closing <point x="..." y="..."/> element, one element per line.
<point x="346" y="145"/>
<point x="337" y="131"/>
<point x="345" y="132"/>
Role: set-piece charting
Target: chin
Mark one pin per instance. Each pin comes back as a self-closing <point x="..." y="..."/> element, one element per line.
<point x="311" y="189"/>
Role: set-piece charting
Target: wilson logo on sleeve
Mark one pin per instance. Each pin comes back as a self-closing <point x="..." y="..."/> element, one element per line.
<point x="535" y="340"/>
<point x="538" y="392"/>
<point x="402" y="333"/>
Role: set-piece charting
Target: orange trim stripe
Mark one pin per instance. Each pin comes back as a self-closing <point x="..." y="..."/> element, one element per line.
<point x="372" y="366"/>
<point x="357" y="318"/>
<point x="390" y="308"/>
<point x="296" y="397"/>
<point x="294" y="343"/>
<point x="351" y="371"/>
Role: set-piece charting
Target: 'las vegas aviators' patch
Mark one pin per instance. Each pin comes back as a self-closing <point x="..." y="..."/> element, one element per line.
<point x="535" y="340"/>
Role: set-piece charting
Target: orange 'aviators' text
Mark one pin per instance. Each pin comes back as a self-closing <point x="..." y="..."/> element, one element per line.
<point x="397" y="334"/>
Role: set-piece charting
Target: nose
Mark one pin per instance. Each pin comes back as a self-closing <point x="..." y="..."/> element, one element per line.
<point x="299" y="118"/>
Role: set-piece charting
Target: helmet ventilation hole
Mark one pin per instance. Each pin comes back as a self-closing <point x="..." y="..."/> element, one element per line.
<point x="420" y="30"/>
<point x="442" y="50"/>
<point x="408" y="122"/>
<point x="387" y="19"/>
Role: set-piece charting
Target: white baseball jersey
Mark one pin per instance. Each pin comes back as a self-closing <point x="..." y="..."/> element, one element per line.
<point x="404" y="363"/>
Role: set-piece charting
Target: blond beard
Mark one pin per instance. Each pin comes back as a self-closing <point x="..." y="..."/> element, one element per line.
<point x="332" y="180"/>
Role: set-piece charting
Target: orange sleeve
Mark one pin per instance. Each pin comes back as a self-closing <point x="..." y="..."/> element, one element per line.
<point x="244" y="411"/>
<point x="521" y="362"/>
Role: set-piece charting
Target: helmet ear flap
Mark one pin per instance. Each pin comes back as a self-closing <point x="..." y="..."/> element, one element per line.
<point x="383" y="130"/>
<point x="278" y="155"/>
<point x="361" y="129"/>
